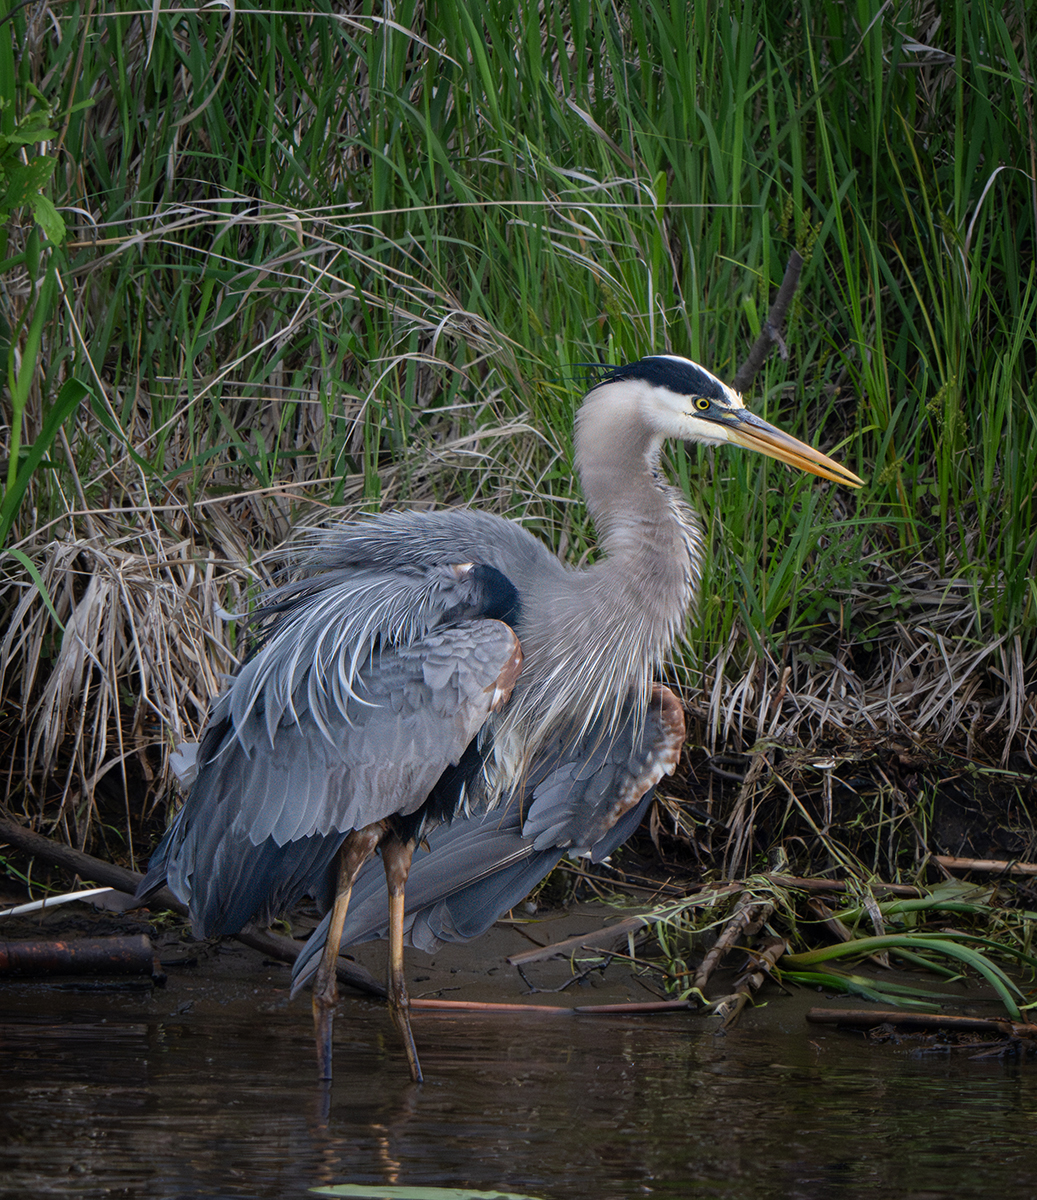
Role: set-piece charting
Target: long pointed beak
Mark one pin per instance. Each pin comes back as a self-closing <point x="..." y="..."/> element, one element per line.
<point x="754" y="433"/>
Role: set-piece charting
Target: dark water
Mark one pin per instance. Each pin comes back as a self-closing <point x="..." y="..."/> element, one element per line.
<point x="136" y="1102"/>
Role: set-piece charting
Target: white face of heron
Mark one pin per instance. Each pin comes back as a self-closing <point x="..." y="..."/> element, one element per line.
<point x="685" y="401"/>
<point x="677" y="398"/>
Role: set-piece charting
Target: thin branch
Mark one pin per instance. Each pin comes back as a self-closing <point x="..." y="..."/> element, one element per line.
<point x="748" y="918"/>
<point x="856" y="1018"/>
<point x="600" y="939"/>
<point x="990" y="865"/>
<point x="771" y="331"/>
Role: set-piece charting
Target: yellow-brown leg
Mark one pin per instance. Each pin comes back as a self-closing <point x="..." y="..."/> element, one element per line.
<point x="355" y="851"/>
<point x="396" y="857"/>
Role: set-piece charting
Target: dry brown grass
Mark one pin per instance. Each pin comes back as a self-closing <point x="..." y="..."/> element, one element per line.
<point x="350" y="356"/>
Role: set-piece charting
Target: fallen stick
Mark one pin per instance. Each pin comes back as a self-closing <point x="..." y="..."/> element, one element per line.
<point x="859" y="1018"/>
<point x="645" y="1006"/>
<point x="598" y="939"/>
<point x="84" y="865"/>
<point x="747" y="919"/>
<point x="765" y="959"/>
<point x="133" y="955"/>
<point x="124" y="880"/>
<point x="590" y="1010"/>
<point x="992" y="865"/>
<point x="485" y="1006"/>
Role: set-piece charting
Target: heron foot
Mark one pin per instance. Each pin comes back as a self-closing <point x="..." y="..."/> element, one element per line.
<point x="355" y="851"/>
<point x="323" y="1027"/>
<point x="396" y="858"/>
<point x="399" y="1007"/>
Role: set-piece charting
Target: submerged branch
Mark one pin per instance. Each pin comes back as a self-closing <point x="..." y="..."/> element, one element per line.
<point x="856" y="1018"/>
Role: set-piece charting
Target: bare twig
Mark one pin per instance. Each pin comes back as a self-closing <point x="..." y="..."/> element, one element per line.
<point x="747" y="919"/>
<point x="589" y="1010"/>
<point x="577" y="977"/>
<point x="598" y="939"/>
<point x="482" y="1006"/>
<point x="771" y="331"/>
<point x="857" y="1018"/>
<point x="990" y="865"/>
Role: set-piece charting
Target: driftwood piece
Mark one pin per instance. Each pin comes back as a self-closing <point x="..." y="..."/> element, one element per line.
<point x="747" y="920"/>
<point x="861" y="1018"/>
<point x="133" y="955"/>
<point x="124" y="880"/>
<point x="763" y="960"/>
<point x="990" y="865"/>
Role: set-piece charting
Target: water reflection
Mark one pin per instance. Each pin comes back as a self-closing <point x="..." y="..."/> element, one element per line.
<point x="142" y="1104"/>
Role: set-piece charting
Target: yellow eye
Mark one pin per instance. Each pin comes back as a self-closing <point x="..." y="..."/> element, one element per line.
<point x="702" y="404"/>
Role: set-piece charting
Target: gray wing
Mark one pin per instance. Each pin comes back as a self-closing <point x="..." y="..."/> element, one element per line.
<point x="586" y="798"/>
<point x="348" y="744"/>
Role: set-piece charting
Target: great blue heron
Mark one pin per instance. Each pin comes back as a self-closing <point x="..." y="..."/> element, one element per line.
<point x="426" y="663"/>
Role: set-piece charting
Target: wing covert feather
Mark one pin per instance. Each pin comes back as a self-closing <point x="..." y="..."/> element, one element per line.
<point x="586" y="798"/>
<point x="413" y="711"/>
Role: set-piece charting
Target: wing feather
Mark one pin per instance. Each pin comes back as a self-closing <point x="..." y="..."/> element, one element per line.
<point x="586" y="797"/>
<point x="412" y="712"/>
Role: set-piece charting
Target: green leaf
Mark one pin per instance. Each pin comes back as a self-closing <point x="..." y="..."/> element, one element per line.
<point x="898" y="994"/>
<point x="29" y="135"/>
<point x="50" y="220"/>
<point x="948" y="944"/>
<point x="41" y="587"/>
<point x="25" y="180"/>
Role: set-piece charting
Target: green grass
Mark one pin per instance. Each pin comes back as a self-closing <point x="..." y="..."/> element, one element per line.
<point x="320" y="259"/>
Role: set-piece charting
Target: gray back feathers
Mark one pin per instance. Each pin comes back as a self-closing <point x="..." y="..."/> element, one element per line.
<point x="378" y="668"/>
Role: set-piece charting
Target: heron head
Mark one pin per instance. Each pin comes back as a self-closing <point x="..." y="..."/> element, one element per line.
<point x="680" y="399"/>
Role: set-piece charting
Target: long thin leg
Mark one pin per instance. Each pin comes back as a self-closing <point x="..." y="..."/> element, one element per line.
<point x="355" y="851"/>
<point x="396" y="857"/>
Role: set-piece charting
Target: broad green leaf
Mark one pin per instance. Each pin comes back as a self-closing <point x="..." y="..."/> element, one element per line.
<point x="50" y="220"/>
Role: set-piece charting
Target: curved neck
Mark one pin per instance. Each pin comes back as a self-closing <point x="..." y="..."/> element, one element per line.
<point x="651" y="540"/>
<point x="594" y="639"/>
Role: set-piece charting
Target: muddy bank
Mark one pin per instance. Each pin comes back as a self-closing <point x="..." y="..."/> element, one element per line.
<point x="227" y="978"/>
<point x="221" y="973"/>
